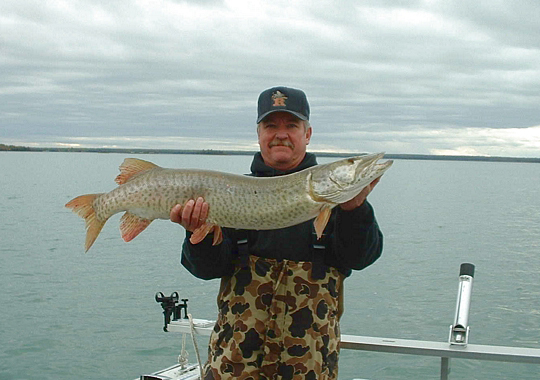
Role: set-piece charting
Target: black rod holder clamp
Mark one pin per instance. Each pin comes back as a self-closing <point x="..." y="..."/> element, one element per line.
<point x="170" y="307"/>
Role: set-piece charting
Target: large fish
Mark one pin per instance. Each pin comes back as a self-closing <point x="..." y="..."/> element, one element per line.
<point x="147" y="192"/>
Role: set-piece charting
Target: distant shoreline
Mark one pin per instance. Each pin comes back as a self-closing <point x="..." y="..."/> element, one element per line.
<point x="14" y="148"/>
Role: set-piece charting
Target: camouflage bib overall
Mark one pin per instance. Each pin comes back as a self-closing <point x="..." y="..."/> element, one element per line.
<point x="277" y="320"/>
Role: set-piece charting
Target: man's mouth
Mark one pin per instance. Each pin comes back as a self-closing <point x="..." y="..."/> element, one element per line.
<point x="285" y="143"/>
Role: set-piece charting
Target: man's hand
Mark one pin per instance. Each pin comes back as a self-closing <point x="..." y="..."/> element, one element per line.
<point x="191" y="215"/>
<point x="360" y="198"/>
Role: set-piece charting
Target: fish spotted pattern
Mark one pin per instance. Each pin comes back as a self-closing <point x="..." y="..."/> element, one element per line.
<point x="147" y="192"/>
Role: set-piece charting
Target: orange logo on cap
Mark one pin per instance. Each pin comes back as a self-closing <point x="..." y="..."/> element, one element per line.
<point x="279" y="99"/>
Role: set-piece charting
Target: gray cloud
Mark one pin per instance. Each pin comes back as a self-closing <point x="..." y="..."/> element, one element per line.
<point x="405" y="77"/>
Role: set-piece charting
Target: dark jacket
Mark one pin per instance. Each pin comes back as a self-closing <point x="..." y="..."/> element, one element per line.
<point x="351" y="240"/>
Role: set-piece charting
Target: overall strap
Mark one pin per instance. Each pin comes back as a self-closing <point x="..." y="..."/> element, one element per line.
<point x="319" y="267"/>
<point x="241" y="253"/>
<point x="319" y="250"/>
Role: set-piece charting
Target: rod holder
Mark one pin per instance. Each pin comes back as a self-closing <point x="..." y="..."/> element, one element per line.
<point x="170" y="307"/>
<point x="459" y="330"/>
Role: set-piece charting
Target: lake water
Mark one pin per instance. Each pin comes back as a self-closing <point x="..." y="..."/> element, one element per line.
<point x="66" y="314"/>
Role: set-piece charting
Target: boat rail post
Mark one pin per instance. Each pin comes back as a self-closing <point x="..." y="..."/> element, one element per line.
<point x="459" y="330"/>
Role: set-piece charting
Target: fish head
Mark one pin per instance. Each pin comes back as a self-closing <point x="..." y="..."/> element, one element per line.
<point x="342" y="180"/>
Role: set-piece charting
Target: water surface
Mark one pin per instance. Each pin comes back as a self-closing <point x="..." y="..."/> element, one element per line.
<point x="66" y="313"/>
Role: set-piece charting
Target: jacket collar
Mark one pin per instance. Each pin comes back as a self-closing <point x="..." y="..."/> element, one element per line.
<point x="260" y="169"/>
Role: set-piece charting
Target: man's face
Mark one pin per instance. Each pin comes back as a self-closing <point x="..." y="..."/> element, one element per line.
<point x="283" y="140"/>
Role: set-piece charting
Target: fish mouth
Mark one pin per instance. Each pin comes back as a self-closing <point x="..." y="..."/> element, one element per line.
<point x="368" y="164"/>
<point x="363" y="166"/>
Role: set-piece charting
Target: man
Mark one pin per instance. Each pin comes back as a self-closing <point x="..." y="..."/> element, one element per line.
<point x="281" y="292"/>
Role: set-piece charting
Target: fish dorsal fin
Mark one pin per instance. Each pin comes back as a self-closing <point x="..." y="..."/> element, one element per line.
<point x="131" y="167"/>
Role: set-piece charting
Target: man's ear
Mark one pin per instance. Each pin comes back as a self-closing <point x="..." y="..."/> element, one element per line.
<point x="308" y="135"/>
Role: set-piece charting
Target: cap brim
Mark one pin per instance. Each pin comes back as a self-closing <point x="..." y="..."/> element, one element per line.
<point x="297" y="114"/>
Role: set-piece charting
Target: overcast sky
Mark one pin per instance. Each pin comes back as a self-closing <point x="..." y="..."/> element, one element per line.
<point x="429" y="77"/>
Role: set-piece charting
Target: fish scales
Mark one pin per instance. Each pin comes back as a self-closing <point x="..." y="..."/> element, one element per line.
<point x="147" y="192"/>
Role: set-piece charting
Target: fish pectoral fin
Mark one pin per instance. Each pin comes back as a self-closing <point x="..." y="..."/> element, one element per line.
<point x="131" y="225"/>
<point x="218" y="235"/>
<point x="131" y="167"/>
<point x="322" y="220"/>
<point x="200" y="233"/>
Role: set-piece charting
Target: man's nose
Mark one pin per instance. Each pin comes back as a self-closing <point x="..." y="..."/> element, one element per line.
<point x="282" y="134"/>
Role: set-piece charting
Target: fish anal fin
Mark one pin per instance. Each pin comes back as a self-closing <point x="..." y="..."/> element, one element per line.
<point x="200" y="233"/>
<point x="321" y="220"/>
<point x="131" y="225"/>
<point x="83" y="206"/>
<point x="131" y="167"/>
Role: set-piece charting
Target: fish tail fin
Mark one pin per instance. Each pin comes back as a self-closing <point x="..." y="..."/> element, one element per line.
<point x="83" y="206"/>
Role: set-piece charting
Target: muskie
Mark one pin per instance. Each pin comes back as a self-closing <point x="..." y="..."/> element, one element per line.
<point x="147" y="192"/>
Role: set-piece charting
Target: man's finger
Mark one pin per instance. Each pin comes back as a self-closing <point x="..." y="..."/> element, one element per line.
<point x="204" y="211"/>
<point x="186" y="213"/>
<point x="375" y="182"/>
<point x="175" y="214"/>
<point x="196" y="215"/>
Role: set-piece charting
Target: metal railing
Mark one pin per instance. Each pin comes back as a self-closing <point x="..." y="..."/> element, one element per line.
<point x="445" y="351"/>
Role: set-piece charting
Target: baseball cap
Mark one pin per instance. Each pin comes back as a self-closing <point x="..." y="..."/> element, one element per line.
<point x="283" y="99"/>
